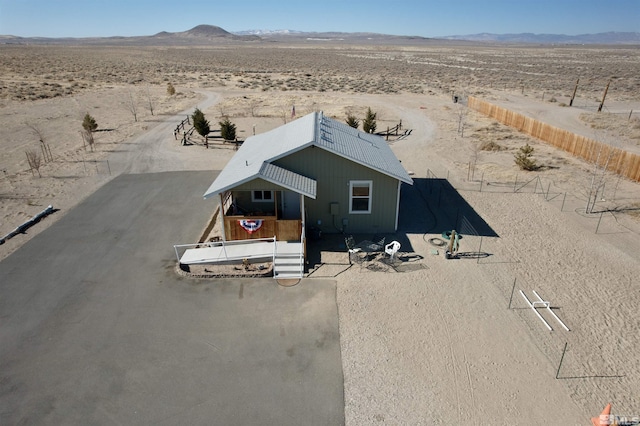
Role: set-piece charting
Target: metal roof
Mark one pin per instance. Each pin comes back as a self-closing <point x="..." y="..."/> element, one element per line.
<point x="253" y="159"/>
<point x="288" y="179"/>
<point x="363" y="148"/>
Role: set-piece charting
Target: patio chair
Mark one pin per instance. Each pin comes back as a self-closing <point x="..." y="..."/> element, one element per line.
<point x="379" y="241"/>
<point x="392" y="249"/>
<point x="355" y="254"/>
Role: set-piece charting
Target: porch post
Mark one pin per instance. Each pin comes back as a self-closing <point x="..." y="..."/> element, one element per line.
<point x="303" y="231"/>
<point x="224" y="233"/>
<point x="302" y="211"/>
<point x="398" y="205"/>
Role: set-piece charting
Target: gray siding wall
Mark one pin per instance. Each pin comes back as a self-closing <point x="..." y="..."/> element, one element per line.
<point x="333" y="174"/>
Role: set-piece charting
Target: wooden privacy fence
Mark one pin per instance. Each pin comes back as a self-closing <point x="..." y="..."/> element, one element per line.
<point x="615" y="159"/>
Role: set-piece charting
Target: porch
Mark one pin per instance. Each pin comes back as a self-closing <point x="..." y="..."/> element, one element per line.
<point x="261" y="214"/>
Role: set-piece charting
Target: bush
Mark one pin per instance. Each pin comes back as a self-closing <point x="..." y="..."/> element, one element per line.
<point x="523" y="158"/>
<point x="227" y="130"/>
<point x="369" y="122"/>
<point x="490" y="146"/>
<point x="89" y="123"/>
<point x="200" y="123"/>
<point x="352" y="121"/>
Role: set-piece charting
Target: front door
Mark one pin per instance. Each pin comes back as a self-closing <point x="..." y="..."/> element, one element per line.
<point x="291" y="205"/>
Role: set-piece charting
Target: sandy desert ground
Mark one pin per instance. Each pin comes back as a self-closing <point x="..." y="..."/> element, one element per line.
<point x="432" y="346"/>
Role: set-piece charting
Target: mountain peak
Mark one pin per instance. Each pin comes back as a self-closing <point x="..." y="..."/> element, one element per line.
<point x="208" y="31"/>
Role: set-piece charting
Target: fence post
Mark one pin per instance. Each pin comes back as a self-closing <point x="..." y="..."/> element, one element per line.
<point x="512" y="290"/>
<point x="563" y="198"/>
<point x="515" y="184"/>
<point x="561" y="359"/>
<point x="547" y="195"/>
<point x="599" y="219"/>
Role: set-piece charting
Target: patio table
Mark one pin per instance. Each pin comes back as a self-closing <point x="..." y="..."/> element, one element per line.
<point x="368" y="246"/>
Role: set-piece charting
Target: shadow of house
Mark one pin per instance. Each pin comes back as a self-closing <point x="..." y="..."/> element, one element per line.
<point x="429" y="206"/>
<point x="434" y="206"/>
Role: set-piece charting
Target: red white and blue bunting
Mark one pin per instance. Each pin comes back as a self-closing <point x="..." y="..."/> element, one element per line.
<point x="250" y="225"/>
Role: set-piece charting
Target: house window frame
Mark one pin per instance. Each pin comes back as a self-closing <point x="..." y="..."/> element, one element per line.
<point x="255" y="199"/>
<point x="355" y="183"/>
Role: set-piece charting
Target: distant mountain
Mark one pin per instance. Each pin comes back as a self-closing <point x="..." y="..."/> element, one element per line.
<point x="199" y="35"/>
<point x="600" y="38"/>
<point x="267" y="32"/>
<point x="302" y="36"/>
<point x="211" y="34"/>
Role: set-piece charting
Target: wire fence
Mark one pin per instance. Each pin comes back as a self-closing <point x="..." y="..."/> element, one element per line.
<point x="568" y="357"/>
<point x="603" y="211"/>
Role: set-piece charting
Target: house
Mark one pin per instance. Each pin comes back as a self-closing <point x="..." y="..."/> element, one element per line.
<point x="312" y="172"/>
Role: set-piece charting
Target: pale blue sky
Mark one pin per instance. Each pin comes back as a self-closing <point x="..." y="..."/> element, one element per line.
<point x="428" y="18"/>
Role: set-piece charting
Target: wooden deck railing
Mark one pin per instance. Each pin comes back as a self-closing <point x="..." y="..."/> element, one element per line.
<point x="283" y="229"/>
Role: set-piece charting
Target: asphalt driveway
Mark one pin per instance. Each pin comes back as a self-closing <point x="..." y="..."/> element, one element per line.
<point x="96" y="328"/>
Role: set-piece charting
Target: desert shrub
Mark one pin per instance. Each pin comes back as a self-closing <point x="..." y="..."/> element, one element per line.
<point x="524" y="160"/>
<point x="89" y="123"/>
<point x="170" y="89"/>
<point x="34" y="160"/>
<point x="490" y="146"/>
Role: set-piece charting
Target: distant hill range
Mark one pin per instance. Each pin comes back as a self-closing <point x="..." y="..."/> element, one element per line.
<point x="600" y="38"/>
<point x="200" y="35"/>
<point x="211" y="34"/>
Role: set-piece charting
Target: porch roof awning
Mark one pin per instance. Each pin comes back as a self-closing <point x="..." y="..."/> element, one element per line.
<point x="231" y="178"/>
<point x="288" y="179"/>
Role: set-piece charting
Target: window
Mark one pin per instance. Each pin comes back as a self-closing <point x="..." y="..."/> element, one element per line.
<point x="262" y="196"/>
<point x="360" y="196"/>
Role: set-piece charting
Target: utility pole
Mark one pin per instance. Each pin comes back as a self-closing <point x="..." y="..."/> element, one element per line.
<point x="604" y="96"/>
<point x="574" y="93"/>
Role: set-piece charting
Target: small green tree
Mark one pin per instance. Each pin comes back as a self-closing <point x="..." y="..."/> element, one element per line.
<point x="369" y="122"/>
<point x="200" y="123"/>
<point x="352" y="121"/>
<point x="524" y="160"/>
<point x="89" y="125"/>
<point x="227" y="130"/>
<point x="171" y="90"/>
